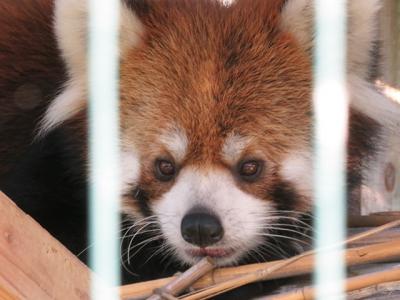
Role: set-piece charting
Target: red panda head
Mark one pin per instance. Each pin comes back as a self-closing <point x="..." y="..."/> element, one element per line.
<point x="216" y="116"/>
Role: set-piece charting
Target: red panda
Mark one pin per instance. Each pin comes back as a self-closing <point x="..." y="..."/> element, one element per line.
<point x="216" y="124"/>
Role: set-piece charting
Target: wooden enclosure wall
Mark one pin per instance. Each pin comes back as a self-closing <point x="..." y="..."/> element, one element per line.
<point x="383" y="190"/>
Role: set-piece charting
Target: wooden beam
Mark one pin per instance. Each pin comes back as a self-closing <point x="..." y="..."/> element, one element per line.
<point x="34" y="265"/>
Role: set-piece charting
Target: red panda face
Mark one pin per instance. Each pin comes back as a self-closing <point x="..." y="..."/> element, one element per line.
<point x="217" y="111"/>
<point x="216" y="116"/>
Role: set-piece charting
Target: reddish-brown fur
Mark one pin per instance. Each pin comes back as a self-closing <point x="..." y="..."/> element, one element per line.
<point x="233" y="71"/>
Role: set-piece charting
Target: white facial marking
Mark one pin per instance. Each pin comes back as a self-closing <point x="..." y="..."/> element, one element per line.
<point x="242" y="215"/>
<point x="233" y="147"/>
<point x="130" y="173"/>
<point x="297" y="169"/>
<point x="175" y="140"/>
<point x="130" y="170"/>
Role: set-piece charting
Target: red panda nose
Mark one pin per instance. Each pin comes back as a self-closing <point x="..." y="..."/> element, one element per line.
<point x="201" y="229"/>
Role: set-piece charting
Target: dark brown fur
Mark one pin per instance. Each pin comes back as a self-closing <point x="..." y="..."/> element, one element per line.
<point x="31" y="73"/>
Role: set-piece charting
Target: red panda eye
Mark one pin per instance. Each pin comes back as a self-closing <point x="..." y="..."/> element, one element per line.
<point x="165" y="170"/>
<point x="250" y="170"/>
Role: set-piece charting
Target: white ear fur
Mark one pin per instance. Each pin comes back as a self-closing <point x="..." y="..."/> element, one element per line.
<point x="298" y="18"/>
<point x="70" y="25"/>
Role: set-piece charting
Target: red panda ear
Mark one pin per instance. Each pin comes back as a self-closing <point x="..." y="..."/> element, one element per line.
<point x="298" y="18"/>
<point x="140" y="7"/>
<point x="70" y="26"/>
<point x="70" y="23"/>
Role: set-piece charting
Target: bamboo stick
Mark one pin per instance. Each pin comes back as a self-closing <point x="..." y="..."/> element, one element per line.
<point x="382" y="289"/>
<point x="386" y="236"/>
<point x="184" y="280"/>
<point x="373" y="220"/>
<point x="263" y="274"/>
<point x="372" y="231"/>
<point x="352" y="284"/>
<point x="355" y="256"/>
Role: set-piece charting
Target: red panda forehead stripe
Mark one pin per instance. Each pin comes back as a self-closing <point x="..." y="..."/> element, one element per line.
<point x="234" y="146"/>
<point x="175" y="141"/>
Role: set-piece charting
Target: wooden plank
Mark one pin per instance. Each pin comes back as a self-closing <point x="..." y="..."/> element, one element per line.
<point x="34" y="265"/>
<point x="5" y="295"/>
<point x="390" y="48"/>
<point x="390" y="37"/>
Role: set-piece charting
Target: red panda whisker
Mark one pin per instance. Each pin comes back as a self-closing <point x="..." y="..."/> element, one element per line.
<point x="161" y="249"/>
<point x="293" y="211"/>
<point x="141" y="233"/>
<point x="126" y="229"/>
<point x="300" y="226"/>
<point x="287" y="218"/>
<point x="284" y="237"/>
<point x="133" y="237"/>
<point x="123" y="263"/>
<point x="290" y="230"/>
<point x="143" y="243"/>
<point x="273" y="249"/>
<point x="267" y="222"/>
<point x="126" y="252"/>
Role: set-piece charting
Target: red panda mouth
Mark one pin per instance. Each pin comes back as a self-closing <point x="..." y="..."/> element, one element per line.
<point x="212" y="252"/>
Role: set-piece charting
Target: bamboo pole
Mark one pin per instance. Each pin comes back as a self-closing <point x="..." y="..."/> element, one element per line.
<point x="355" y="256"/>
<point x="385" y="289"/>
<point x="372" y="220"/>
<point x="264" y="273"/>
<point x="259" y="274"/>
<point x="352" y="284"/>
<point x="270" y="273"/>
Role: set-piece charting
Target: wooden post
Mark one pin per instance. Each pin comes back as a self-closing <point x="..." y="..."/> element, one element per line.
<point x="34" y="265"/>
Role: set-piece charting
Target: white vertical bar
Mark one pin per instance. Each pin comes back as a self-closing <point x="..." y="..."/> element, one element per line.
<point x="104" y="146"/>
<point x="331" y="127"/>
